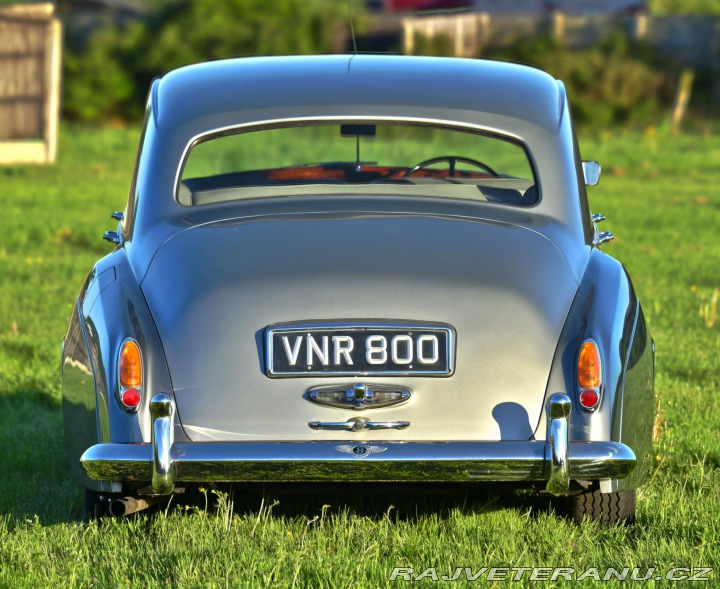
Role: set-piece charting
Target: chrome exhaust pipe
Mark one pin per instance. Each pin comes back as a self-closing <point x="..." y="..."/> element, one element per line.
<point x="127" y="505"/>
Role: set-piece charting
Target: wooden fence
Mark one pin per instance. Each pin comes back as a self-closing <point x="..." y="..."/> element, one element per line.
<point x="30" y="70"/>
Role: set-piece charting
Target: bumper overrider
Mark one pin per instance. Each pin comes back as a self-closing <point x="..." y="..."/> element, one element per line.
<point x="165" y="463"/>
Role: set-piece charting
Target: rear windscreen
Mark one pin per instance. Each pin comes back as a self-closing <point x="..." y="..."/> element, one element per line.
<point x="358" y="158"/>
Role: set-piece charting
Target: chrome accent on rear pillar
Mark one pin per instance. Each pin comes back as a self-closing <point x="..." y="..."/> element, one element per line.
<point x="112" y="237"/>
<point x="161" y="411"/>
<point x="558" y="411"/>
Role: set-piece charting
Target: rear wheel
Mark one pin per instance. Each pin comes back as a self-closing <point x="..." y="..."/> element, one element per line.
<point x="608" y="508"/>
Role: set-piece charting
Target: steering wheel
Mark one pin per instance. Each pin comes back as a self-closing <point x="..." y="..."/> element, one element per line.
<point x="452" y="161"/>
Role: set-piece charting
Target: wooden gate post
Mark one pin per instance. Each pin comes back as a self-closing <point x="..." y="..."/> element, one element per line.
<point x="30" y="79"/>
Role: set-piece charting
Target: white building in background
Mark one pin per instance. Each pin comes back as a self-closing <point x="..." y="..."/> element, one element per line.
<point x="574" y="7"/>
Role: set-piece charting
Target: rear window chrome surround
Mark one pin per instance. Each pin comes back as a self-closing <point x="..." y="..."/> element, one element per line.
<point x="319" y="120"/>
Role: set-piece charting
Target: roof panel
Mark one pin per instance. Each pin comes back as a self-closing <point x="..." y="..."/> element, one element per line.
<point x="317" y="82"/>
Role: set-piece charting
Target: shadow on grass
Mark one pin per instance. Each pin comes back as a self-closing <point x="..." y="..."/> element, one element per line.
<point x="35" y="479"/>
<point x="408" y="502"/>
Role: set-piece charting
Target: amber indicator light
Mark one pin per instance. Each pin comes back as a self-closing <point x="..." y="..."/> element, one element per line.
<point x="130" y="365"/>
<point x="589" y="366"/>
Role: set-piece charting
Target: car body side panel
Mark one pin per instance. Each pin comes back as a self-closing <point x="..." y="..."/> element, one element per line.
<point x="78" y="399"/>
<point x="635" y="424"/>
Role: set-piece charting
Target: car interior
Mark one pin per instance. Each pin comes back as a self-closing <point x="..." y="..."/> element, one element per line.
<point x="449" y="174"/>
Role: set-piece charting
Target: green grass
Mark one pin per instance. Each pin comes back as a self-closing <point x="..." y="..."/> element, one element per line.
<point x="660" y="196"/>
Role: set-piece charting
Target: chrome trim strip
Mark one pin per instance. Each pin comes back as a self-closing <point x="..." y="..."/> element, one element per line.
<point x="386" y="462"/>
<point x="358" y="424"/>
<point x="558" y="411"/>
<point x="359" y="326"/>
<point x="161" y="411"/>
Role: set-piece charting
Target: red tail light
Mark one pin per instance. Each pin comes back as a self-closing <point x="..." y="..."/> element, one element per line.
<point x="130" y="398"/>
<point x="589" y="398"/>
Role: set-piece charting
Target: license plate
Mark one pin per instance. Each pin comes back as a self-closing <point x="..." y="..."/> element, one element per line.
<point x="355" y="349"/>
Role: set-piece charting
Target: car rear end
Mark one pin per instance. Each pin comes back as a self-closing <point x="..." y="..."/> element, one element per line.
<point x="359" y="297"/>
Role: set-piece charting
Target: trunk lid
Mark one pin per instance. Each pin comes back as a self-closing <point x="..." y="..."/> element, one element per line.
<point x="214" y="288"/>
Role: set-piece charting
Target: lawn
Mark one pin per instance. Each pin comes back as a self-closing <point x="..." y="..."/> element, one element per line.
<point x="660" y="196"/>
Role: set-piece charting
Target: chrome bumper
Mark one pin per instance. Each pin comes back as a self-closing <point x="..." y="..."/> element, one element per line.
<point x="165" y="463"/>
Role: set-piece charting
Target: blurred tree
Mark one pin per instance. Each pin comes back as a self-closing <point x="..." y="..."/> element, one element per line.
<point x="196" y="30"/>
<point x="617" y="81"/>
<point x="99" y="84"/>
<point x="684" y="6"/>
<point x="109" y="77"/>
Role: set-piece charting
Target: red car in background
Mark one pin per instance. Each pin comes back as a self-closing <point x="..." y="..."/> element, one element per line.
<point x="417" y="5"/>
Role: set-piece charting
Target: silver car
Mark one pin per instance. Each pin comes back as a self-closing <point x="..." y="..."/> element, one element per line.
<point x="359" y="269"/>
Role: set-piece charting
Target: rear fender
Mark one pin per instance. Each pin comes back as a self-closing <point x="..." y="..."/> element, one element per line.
<point x="606" y="310"/>
<point x="110" y="309"/>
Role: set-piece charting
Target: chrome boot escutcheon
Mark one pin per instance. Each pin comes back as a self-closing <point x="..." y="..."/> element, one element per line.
<point x="359" y="396"/>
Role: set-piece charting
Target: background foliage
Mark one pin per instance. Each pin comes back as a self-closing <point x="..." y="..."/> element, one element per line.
<point x="617" y="81"/>
<point x="108" y="77"/>
<point x="684" y="6"/>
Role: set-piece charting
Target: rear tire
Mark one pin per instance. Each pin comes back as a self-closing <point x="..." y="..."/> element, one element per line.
<point x="607" y="508"/>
